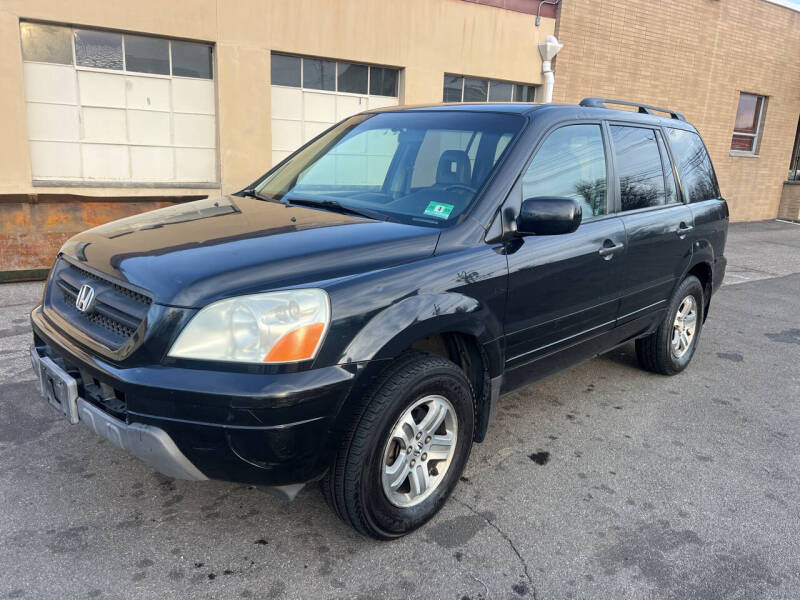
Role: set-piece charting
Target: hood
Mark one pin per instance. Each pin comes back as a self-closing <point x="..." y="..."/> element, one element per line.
<point x="194" y="253"/>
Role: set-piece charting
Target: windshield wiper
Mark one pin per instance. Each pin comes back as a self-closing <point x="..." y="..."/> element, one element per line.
<point x="336" y="206"/>
<point x="254" y="193"/>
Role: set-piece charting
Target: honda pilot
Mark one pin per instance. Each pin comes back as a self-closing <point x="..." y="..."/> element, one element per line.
<point x="352" y="317"/>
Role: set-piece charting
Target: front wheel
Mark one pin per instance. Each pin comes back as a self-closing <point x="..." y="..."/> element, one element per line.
<point x="670" y="348"/>
<point x="406" y="449"/>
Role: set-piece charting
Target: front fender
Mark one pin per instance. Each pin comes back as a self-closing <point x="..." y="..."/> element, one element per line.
<point x="397" y="326"/>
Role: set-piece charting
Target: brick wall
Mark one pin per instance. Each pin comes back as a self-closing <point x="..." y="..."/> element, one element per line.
<point x="33" y="228"/>
<point x="790" y="201"/>
<point x="694" y="56"/>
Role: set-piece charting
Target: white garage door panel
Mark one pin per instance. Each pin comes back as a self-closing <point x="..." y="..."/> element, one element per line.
<point x="101" y="89"/>
<point x="195" y="164"/>
<point x="147" y="93"/>
<point x="104" y="125"/>
<point x="347" y="106"/>
<point x="287" y="103"/>
<point x="194" y="130"/>
<point x="54" y="122"/>
<point x="51" y="160"/>
<point x="152" y="164"/>
<point x="299" y="115"/>
<point x="148" y="127"/>
<point x="193" y="96"/>
<point x="381" y="102"/>
<point x="312" y="130"/>
<point x="105" y="162"/>
<point x="319" y="107"/>
<point x="50" y="83"/>
<point x="278" y="156"/>
<point x="287" y="135"/>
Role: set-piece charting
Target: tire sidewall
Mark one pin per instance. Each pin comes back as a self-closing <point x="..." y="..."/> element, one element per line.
<point x="383" y="516"/>
<point x="691" y="285"/>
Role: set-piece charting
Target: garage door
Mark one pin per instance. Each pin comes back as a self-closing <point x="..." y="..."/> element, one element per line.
<point x="117" y="108"/>
<point x="311" y="94"/>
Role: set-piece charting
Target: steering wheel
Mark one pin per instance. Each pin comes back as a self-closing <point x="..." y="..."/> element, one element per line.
<point x="462" y="186"/>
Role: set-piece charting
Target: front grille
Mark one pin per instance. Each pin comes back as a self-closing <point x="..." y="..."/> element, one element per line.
<point x="118" y="310"/>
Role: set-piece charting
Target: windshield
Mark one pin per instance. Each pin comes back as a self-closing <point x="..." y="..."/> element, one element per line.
<point x="414" y="167"/>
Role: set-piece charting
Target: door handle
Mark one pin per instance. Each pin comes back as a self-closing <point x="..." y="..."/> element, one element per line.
<point x="683" y="229"/>
<point x="609" y="249"/>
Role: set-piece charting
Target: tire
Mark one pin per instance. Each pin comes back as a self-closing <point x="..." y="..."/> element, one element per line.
<point x="657" y="351"/>
<point x="355" y="486"/>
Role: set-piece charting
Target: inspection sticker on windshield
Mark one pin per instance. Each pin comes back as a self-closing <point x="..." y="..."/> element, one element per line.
<point x="439" y="209"/>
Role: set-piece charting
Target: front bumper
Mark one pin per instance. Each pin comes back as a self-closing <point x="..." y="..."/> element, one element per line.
<point x="263" y="429"/>
<point x="150" y="444"/>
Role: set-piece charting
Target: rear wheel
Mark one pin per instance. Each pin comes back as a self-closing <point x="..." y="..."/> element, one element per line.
<point x="404" y="453"/>
<point x="670" y="348"/>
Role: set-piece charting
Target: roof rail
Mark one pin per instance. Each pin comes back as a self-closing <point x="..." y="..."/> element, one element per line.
<point x="643" y="108"/>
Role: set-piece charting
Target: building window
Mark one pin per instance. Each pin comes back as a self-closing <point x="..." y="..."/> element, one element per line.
<point x="311" y="94"/>
<point x="794" y="164"/>
<point x="749" y="120"/>
<point x="118" y="109"/>
<point x="458" y="88"/>
<point x="333" y="76"/>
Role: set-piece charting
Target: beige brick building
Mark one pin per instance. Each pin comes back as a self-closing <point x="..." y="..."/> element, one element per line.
<point x="112" y="108"/>
<point x="696" y="57"/>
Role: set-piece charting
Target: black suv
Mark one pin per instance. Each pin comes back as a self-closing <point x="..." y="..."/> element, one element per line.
<point x="353" y="316"/>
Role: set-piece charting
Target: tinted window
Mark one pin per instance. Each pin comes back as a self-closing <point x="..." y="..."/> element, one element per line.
<point x="694" y="165"/>
<point x="285" y="70"/>
<point x="46" y="43"/>
<point x="453" y="85"/>
<point x="500" y="91"/>
<point x="352" y="78"/>
<point x="638" y="162"/>
<point x="382" y="81"/>
<point x="146" y="54"/>
<point x="475" y="90"/>
<point x="669" y="177"/>
<point x="524" y="93"/>
<point x="190" y="59"/>
<point x="571" y="163"/>
<point x="98" y="49"/>
<point x="319" y="74"/>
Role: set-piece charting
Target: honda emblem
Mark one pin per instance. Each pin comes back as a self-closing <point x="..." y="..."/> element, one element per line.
<point x="84" y="302"/>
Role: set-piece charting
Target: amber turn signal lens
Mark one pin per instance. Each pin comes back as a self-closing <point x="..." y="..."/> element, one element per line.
<point x="298" y="344"/>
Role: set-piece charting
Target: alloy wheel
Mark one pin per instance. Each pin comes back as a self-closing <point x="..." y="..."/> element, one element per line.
<point x="684" y="326"/>
<point x="419" y="451"/>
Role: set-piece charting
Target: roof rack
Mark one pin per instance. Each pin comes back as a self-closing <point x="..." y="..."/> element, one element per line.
<point x="642" y="108"/>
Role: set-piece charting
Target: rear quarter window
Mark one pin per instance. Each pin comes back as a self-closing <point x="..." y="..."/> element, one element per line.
<point x="694" y="165"/>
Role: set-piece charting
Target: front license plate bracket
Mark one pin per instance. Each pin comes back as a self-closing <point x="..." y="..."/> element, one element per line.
<point x="59" y="388"/>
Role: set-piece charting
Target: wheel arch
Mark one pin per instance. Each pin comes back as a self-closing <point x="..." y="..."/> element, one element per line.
<point x="454" y="326"/>
<point x="705" y="273"/>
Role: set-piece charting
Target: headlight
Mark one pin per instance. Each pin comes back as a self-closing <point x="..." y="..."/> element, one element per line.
<point x="276" y="327"/>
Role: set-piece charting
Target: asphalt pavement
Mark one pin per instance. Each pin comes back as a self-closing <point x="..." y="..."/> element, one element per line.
<point x="600" y="482"/>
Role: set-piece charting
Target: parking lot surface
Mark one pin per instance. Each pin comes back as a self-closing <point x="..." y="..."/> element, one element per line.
<point x="601" y="482"/>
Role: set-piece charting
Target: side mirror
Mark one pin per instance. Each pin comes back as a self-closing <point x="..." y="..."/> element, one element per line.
<point x="548" y="216"/>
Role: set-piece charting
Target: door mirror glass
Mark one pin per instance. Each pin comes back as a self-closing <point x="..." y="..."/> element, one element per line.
<point x="547" y="215"/>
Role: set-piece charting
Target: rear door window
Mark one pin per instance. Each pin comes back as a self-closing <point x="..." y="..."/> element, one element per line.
<point x="639" y="167"/>
<point x="694" y="165"/>
<point x="669" y="174"/>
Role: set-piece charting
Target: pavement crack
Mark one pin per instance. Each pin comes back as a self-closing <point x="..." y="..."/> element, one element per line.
<point x="508" y="539"/>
